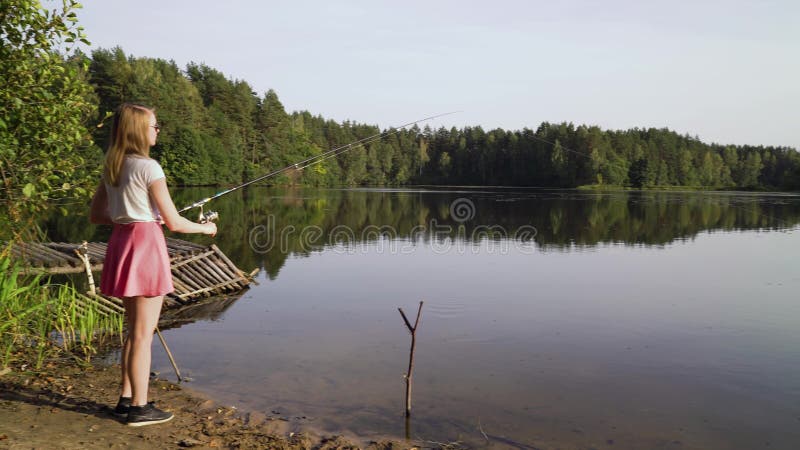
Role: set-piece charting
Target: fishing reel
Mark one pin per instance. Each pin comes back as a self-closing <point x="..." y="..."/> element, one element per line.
<point x="206" y="217"/>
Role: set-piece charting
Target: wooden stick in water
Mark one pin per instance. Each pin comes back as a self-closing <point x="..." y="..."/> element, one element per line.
<point x="413" y="331"/>
<point x="169" y="355"/>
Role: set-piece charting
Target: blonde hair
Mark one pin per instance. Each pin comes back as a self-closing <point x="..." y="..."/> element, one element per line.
<point x="128" y="137"/>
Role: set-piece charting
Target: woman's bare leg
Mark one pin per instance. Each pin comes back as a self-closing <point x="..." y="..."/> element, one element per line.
<point x="143" y="317"/>
<point x="125" y="385"/>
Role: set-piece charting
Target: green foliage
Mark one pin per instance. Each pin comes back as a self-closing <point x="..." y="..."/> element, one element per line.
<point x="39" y="320"/>
<point x="562" y="155"/>
<point x="46" y="153"/>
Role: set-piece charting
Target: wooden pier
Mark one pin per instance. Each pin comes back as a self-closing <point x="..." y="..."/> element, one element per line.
<point x="197" y="271"/>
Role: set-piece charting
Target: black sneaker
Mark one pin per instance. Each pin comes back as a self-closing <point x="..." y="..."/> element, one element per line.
<point x="148" y="414"/>
<point x="123" y="407"/>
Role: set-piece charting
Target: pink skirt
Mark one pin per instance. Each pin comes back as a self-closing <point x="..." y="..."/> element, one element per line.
<point x="137" y="262"/>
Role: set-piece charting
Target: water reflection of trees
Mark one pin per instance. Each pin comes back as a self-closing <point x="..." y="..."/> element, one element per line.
<point x="562" y="219"/>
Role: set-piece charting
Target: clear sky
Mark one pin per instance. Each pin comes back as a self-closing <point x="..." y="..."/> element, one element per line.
<point x="726" y="71"/>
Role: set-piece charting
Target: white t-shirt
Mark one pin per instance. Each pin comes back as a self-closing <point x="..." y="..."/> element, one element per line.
<point x="130" y="201"/>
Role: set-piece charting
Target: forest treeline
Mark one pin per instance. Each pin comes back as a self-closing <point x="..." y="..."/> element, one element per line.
<point x="217" y="130"/>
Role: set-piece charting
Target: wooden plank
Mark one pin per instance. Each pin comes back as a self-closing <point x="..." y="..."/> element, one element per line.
<point x="233" y="272"/>
<point x="224" y="265"/>
<point x="186" y="244"/>
<point x="42" y="270"/>
<point x="172" y="302"/>
<point x="220" y="265"/>
<point x="174" y="251"/>
<point x="213" y="265"/>
<point x="190" y="288"/>
<point x="80" y="311"/>
<point x="21" y="254"/>
<point x="173" y="297"/>
<point x="186" y="279"/>
<point x="210" y="275"/>
<point x="103" y="311"/>
<point x="189" y="273"/>
<point x="105" y="302"/>
<point x="211" y="288"/>
<point x="179" y="292"/>
<point x="180" y="301"/>
<point x="190" y="259"/>
<point x="48" y="252"/>
<point x="227" y="261"/>
<point x="63" y="247"/>
<point x="30" y="254"/>
<point x="58" y="256"/>
<point x="173" y="247"/>
<point x="114" y="300"/>
<point x="84" y="302"/>
<point x="110" y="304"/>
<point x="177" y="246"/>
<point x="102" y="305"/>
<point x="49" y="259"/>
<point x="96" y="258"/>
<point x="97" y="252"/>
<point x="179" y="286"/>
<point x="202" y="273"/>
<point x="98" y="246"/>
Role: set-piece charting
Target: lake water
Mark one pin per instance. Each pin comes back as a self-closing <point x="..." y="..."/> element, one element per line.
<point x="551" y="319"/>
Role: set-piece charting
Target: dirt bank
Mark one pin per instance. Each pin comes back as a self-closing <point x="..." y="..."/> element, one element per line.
<point x="67" y="406"/>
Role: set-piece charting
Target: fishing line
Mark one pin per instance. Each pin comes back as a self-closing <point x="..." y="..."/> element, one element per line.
<point x="305" y="163"/>
<point x="333" y="155"/>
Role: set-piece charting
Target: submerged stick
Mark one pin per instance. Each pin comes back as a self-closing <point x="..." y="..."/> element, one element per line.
<point x="169" y="354"/>
<point x="413" y="331"/>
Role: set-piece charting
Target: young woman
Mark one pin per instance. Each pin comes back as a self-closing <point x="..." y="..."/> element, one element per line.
<point x="133" y="197"/>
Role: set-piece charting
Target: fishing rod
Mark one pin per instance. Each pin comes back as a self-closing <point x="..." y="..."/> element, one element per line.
<point x="300" y="165"/>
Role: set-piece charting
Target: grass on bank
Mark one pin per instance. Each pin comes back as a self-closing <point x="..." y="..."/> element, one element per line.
<point x="40" y="320"/>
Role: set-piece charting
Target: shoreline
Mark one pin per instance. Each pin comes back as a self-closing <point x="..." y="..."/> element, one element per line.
<point x="67" y="406"/>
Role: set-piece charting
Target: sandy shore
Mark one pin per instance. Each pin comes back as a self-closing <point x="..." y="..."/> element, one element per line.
<point x="65" y="406"/>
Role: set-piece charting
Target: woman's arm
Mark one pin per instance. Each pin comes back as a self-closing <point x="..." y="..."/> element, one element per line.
<point x="160" y="195"/>
<point x="98" y="213"/>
